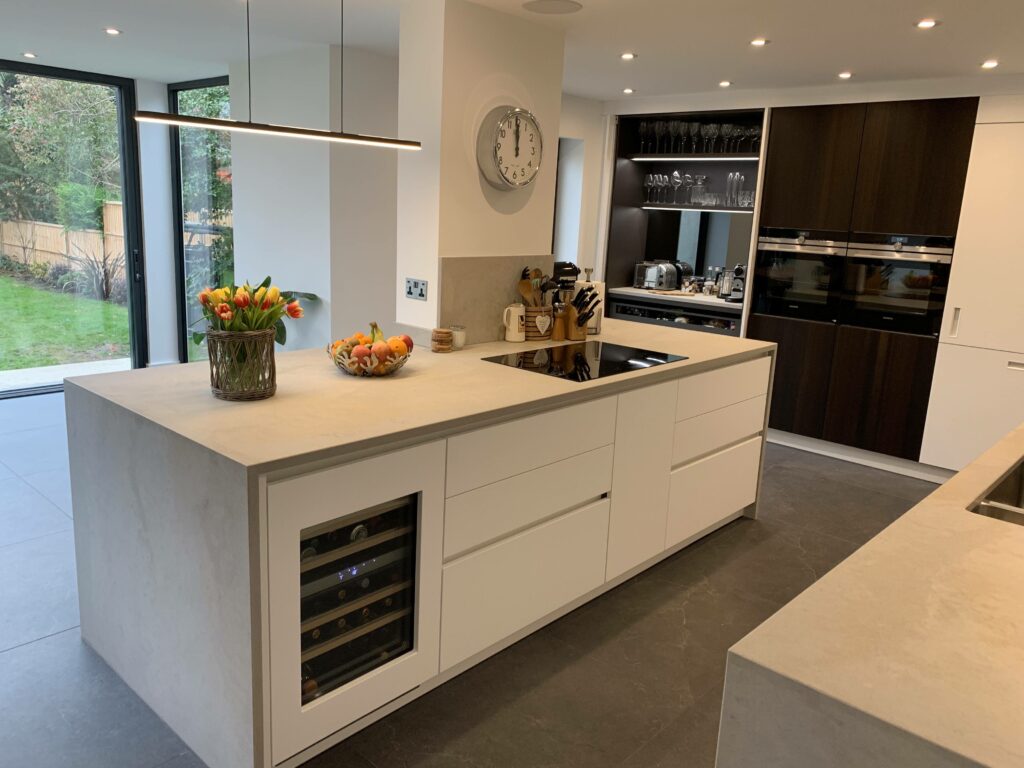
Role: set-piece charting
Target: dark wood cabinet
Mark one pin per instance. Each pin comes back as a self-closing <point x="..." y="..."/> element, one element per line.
<point x="811" y="166"/>
<point x="878" y="392"/>
<point x="913" y="165"/>
<point x="802" y="369"/>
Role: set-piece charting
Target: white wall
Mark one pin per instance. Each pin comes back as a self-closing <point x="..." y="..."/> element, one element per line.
<point x="585" y="119"/>
<point x="158" y="227"/>
<point x="282" y="187"/>
<point x="569" y="200"/>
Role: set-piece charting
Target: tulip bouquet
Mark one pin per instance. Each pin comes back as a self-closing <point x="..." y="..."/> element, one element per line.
<point x="244" y="308"/>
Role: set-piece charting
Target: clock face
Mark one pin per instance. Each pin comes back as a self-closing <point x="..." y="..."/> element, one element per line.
<point x="515" y="148"/>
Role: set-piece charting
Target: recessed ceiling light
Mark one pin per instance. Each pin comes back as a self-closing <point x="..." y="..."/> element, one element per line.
<point x="112" y="31"/>
<point x="724" y="84"/>
<point x="552" y="6"/>
<point x="627" y="91"/>
<point x="927" y="24"/>
<point x="845" y="75"/>
<point x="28" y="55"/>
<point x="628" y="56"/>
<point x="759" y="42"/>
<point x="990" y="64"/>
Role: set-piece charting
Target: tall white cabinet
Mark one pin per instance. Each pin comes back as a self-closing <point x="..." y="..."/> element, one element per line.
<point x="978" y="387"/>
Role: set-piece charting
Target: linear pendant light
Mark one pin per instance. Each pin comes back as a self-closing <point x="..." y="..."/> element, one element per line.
<point x="270" y="129"/>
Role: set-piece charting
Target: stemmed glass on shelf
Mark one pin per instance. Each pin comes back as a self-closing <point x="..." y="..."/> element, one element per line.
<point x="649" y="184"/>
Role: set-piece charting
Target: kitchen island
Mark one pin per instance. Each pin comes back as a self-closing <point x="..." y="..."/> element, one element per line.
<point x="909" y="653"/>
<point x="270" y="577"/>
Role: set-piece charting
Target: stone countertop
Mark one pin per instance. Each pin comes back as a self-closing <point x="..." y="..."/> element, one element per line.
<point x="695" y="300"/>
<point x="320" y="413"/>
<point x="923" y="627"/>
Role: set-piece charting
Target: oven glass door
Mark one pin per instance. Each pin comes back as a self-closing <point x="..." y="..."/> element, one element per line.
<point x="802" y="283"/>
<point x="895" y="294"/>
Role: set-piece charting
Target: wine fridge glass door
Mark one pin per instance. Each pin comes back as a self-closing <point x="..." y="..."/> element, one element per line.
<point x="354" y="578"/>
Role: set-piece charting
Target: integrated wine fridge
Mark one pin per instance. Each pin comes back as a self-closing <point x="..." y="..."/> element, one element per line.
<point x="354" y="584"/>
<point x="357" y="589"/>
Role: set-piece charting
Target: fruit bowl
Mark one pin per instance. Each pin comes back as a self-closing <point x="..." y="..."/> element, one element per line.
<point x="370" y="355"/>
<point x="367" y="366"/>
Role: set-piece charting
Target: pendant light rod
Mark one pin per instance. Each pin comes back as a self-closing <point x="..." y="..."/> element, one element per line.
<point x="269" y="129"/>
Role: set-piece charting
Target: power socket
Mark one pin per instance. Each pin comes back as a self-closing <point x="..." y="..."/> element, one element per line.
<point x="415" y="289"/>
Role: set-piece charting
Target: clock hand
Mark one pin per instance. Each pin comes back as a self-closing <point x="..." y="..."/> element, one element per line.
<point x="517" y="135"/>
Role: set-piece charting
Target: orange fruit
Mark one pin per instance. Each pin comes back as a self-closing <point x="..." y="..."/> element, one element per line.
<point x="398" y="347"/>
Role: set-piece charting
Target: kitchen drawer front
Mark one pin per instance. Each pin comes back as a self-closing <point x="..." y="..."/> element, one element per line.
<point x="711" y="489"/>
<point x="977" y="396"/>
<point x="479" y="458"/>
<point x="716" y="389"/>
<point x="486" y="514"/>
<point x="709" y="432"/>
<point x="494" y="592"/>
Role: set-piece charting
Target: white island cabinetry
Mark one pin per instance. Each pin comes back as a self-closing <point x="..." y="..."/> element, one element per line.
<point x="354" y="558"/>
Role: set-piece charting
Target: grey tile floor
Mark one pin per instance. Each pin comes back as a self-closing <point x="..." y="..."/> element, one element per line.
<point x="633" y="679"/>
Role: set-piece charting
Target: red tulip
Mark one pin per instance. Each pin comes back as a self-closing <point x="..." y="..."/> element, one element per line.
<point x="294" y="309"/>
<point x="223" y="311"/>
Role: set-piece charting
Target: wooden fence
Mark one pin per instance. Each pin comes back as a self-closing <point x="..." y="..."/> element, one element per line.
<point x="37" y="242"/>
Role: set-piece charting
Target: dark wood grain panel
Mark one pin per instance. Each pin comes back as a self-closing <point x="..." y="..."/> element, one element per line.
<point x="913" y="166"/>
<point x="811" y="166"/>
<point x="802" y="369"/>
<point x="878" y="393"/>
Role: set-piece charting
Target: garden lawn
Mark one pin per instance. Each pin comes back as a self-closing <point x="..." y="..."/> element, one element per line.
<point x="45" y="327"/>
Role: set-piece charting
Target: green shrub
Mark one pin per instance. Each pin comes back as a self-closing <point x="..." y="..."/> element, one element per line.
<point x="80" y="206"/>
<point x="39" y="271"/>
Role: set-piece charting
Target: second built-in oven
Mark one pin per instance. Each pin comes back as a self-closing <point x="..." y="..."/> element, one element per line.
<point x="896" y="285"/>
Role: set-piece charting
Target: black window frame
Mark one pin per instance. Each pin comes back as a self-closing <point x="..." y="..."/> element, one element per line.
<point x="173" y="89"/>
<point x="131" y="194"/>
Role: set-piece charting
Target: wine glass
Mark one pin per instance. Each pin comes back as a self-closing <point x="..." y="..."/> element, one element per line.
<point x="754" y="132"/>
<point x="644" y="132"/>
<point x="673" y="134"/>
<point x="694" y="131"/>
<point x="677" y="182"/>
<point x="713" y="130"/>
<point x="659" y="134"/>
<point x="728" y="131"/>
<point x="649" y="184"/>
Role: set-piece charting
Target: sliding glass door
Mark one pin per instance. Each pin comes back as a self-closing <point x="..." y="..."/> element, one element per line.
<point x="71" y="281"/>
<point x="202" y="168"/>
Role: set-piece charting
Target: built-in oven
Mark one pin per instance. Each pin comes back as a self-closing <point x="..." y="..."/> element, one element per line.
<point x="798" y="274"/>
<point x="896" y="283"/>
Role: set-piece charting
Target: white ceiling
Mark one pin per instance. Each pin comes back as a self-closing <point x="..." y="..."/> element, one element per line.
<point x="684" y="46"/>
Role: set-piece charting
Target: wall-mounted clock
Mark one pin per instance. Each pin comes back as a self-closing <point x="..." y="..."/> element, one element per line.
<point x="509" y="147"/>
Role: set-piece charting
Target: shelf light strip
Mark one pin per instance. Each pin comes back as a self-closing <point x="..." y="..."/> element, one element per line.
<point x="696" y="159"/>
<point x="267" y="129"/>
<point x="709" y="210"/>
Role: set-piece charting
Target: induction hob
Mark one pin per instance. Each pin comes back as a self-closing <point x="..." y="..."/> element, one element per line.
<point x="585" y="360"/>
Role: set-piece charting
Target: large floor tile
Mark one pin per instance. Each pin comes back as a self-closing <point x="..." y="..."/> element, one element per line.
<point x="55" y="485"/>
<point x="21" y="413"/>
<point x="26" y="514"/>
<point x="35" y="450"/>
<point x="61" y="705"/>
<point x="39" y="595"/>
<point x="689" y="741"/>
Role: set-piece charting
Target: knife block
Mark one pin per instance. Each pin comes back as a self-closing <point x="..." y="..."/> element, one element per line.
<point x="572" y="331"/>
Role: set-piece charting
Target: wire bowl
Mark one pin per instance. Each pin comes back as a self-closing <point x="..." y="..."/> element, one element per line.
<point x="370" y="366"/>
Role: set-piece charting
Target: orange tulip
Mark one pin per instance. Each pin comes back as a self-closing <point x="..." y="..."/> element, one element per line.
<point x="223" y="311"/>
<point x="205" y="296"/>
<point x="242" y="299"/>
<point x="294" y="309"/>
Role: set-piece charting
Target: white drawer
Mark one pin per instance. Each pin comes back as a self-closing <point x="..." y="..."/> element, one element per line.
<point x="485" y="514"/>
<point x="709" y="490"/>
<point x="487" y="455"/>
<point x="716" y="389"/>
<point x="709" y="432"/>
<point x="493" y="592"/>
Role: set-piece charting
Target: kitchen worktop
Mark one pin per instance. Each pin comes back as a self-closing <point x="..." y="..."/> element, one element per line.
<point x="909" y="653"/>
<point x="319" y="412"/>
<point x="692" y="299"/>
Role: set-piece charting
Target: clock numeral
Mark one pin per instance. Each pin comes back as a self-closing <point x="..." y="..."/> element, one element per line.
<point x="533" y="150"/>
<point x="531" y="137"/>
<point x="501" y="160"/>
<point x="503" y="133"/>
<point x="499" y="146"/>
<point x="506" y="170"/>
<point x="514" y="176"/>
<point x="530" y="164"/>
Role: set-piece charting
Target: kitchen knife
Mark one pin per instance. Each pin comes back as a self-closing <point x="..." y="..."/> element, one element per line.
<point x="582" y="298"/>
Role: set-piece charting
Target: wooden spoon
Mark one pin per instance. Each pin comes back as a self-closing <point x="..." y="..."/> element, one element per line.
<point x="526" y="291"/>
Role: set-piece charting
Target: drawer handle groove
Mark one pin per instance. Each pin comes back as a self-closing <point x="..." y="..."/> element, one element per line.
<point x="954" y="327"/>
<point x="1015" y="365"/>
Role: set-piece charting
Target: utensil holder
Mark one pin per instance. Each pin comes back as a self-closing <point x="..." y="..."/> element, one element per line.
<point x="573" y="332"/>
<point x="538" y="323"/>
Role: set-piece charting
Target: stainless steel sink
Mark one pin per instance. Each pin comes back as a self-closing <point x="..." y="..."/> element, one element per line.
<point x="1006" y="500"/>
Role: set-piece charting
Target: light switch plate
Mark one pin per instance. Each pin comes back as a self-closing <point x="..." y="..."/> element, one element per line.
<point x="415" y="289"/>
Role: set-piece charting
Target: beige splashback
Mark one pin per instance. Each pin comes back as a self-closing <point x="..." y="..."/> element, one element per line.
<point x="475" y="291"/>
